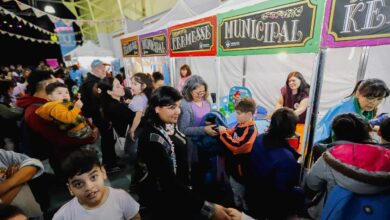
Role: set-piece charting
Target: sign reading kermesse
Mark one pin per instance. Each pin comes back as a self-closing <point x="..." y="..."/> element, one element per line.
<point x="356" y="23"/>
<point x="130" y="46"/>
<point x="279" y="24"/>
<point x="154" y="44"/>
<point x="196" y="38"/>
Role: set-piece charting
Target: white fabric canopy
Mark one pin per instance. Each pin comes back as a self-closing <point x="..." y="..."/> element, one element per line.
<point x="90" y="49"/>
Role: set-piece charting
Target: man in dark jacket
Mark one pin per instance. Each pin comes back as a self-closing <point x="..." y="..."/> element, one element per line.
<point x="92" y="109"/>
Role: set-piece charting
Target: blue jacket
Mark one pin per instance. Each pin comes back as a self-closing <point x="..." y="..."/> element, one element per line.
<point x="273" y="177"/>
<point x="324" y="126"/>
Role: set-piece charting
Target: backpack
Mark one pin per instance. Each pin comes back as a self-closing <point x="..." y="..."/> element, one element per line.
<point x="344" y="204"/>
<point x="209" y="144"/>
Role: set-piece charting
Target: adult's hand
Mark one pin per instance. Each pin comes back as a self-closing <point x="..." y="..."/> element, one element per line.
<point x="220" y="213"/>
<point x="234" y="213"/>
<point x="210" y="131"/>
<point x="95" y="134"/>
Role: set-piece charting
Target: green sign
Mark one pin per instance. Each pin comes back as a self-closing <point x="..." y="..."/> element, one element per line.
<point x="291" y="26"/>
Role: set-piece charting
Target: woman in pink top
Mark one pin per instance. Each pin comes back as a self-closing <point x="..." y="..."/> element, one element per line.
<point x="185" y="73"/>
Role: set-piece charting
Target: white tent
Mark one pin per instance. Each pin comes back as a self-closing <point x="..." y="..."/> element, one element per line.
<point x="89" y="48"/>
<point x="183" y="9"/>
<point x="85" y="54"/>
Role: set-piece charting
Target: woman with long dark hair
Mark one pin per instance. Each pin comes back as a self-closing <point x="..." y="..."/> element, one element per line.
<point x="367" y="95"/>
<point x="160" y="188"/>
<point x="295" y="95"/>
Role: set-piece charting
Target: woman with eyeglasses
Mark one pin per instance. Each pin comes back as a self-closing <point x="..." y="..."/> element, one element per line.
<point x="367" y="95"/>
<point x="193" y="108"/>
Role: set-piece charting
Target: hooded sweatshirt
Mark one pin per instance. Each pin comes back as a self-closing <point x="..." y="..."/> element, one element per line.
<point x="360" y="168"/>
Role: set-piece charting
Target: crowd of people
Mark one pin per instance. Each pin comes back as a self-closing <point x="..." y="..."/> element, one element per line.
<point x="51" y="121"/>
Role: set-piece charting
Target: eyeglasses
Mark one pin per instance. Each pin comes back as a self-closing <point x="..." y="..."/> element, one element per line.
<point x="200" y="93"/>
<point x="374" y="99"/>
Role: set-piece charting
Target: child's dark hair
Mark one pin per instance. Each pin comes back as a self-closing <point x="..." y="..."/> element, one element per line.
<point x="385" y="129"/>
<point x="157" y="76"/>
<point x="53" y="86"/>
<point x="163" y="96"/>
<point x="79" y="162"/>
<point x="283" y="125"/>
<point x="35" y="79"/>
<point x="9" y="211"/>
<point x="246" y="105"/>
<point x="351" y="127"/>
<point x="144" y="79"/>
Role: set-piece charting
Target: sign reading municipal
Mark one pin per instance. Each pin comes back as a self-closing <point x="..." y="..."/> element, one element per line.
<point x="130" y="47"/>
<point x="270" y="25"/>
<point x="195" y="38"/>
<point x="154" y="44"/>
<point x="357" y="23"/>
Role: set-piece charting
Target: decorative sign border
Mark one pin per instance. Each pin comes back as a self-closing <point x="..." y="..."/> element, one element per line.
<point x="126" y="41"/>
<point x="331" y="39"/>
<point x="309" y="45"/>
<point x="160" y="33"/>
<point x="211" y="51"/>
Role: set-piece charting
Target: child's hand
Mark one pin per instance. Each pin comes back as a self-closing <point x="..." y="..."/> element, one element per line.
<point x="79" y="104"/>
<point x="221" y="128"/>
<point x="127" y="101"/>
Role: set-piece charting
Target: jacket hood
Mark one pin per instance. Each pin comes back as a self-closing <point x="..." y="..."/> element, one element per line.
<point x="25" y="101"/>
<point x="362" y="164"/>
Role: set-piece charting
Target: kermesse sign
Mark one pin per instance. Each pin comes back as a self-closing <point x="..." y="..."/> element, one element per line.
<point x="130" y="47"/>
<point x="271" y="27"/>
<point x="196" y="38"/>
<point x="154" y="44"/>
<point x="356" y="23"/>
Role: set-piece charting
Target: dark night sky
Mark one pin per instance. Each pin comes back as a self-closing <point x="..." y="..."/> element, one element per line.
<point x="20" y="51"/>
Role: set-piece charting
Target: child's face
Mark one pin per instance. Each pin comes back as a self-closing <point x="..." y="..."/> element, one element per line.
<point x="59" y="94"/>
<point x="243" y="117"/>
<point x="183" y="72"/>
<point x="89" y="187"/>
<point x="136" y="87"/>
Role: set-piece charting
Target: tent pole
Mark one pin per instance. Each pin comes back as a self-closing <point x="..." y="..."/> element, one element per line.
<point x="363" y="63"/>
<point x="312" y="110"/>
<point x="244" y="71"/>
<point x="172" y="70"/>
<point x="219" y="78"/>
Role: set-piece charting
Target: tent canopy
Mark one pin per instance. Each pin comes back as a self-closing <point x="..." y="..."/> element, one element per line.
<point x="90" y="49"/>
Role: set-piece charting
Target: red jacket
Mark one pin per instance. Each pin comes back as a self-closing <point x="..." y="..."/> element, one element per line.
<point x="47" y="130"/>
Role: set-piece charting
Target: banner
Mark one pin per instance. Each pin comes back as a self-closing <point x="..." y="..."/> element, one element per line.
<point x="130" y="47"/>
<point x="196" y="38"/>
<point x="271" y="27"/>
<point x="154" y="44"/>
<point x="66" y="37"/>
<point x="350" y="23"/>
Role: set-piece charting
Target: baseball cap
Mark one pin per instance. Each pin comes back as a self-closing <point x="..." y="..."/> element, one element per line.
<point x="96" y="63"/>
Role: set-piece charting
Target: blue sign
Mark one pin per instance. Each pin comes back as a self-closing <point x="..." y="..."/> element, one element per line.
<point x="66" y="37"/>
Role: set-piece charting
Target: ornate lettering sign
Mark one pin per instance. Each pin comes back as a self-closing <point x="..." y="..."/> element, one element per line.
<point x="154" y="44"/>
<point x="269" y="25"/>
<point x="130" y="46"/>
<point x="195" y="38"/>
<point x="356" y="23"/>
